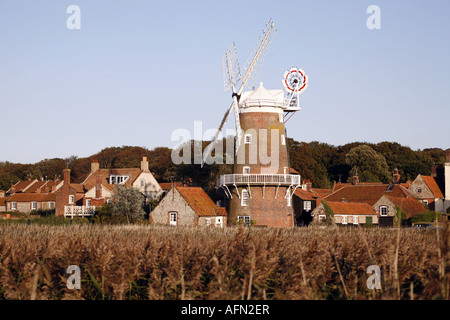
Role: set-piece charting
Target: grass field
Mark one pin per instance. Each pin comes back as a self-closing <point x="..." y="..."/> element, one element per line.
<point x="151" y="262"/>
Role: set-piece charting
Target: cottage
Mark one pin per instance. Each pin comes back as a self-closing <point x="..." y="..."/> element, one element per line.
<point x="387" y="208"/>
<point x="188" y="206"/>
<point x="347" y="213"/>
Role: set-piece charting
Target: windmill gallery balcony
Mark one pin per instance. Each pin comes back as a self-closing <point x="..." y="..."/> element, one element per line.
<point x="260" y="179"/>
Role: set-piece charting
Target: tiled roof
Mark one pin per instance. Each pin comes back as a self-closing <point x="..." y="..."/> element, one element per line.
<point x="199" y="201"/>
<point x="321" y="192"/>
<point x="410" y="206"/>
<point x="78" y="187"/>
<point x="104" y="174"/>
<point x="367" y="193"/>
<point x="306" y="195"/>
<point x="19" y="186"/>
<point x="168" y="185"/>
<point x="433" y="186"/>
<point x="27" y="197"/>
<point x="351" y="208"/>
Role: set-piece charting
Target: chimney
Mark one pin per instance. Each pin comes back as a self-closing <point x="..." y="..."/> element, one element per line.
<point x="98" y="187"/>
<point x="66" y="177"/>
<point x="144" y="164"/>
<point x="2" y="194"/>
<point x="13" y="189"/>
<point x="396" y="177"/>
<point x="308" y="185"/>
<point x="355" y="179"/>
<point x="95" y="165"/>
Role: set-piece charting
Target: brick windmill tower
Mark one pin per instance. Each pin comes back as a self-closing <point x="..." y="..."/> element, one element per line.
<point x="261" y="187"/>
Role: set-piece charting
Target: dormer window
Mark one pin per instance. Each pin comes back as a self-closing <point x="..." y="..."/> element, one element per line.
<point x="248" y="139"/>
<point x="117" y="179"/>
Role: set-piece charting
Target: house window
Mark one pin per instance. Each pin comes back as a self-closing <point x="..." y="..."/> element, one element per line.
<point x="88" y="202"/>
<point x="71" y="199"/>
<point x="245" y="220"/>
<point x="117" y="179"/>
<point x="425" y="202"/>
<point x="13" y="205"/>
<point x="208" y="222"/>
<point x="283" y="140"/>
<point x="246" y="170"/>
<point x="108" y="201"/>
<point x="384" y="211"/>
<point x="248" y="139"/>
<point x="419" y="190"/>
<point x="33" y="205"/>
<point x="244" y="198"/>
<point x="142" y="183"/>
<point x="280" y="117"/>
<point x="344" y="219"/>
<point x="52" y="205"/>
<point x="322" y="218"/>
<point x="355" y="220"/>
<point x="173" y="219"/>
<point x="307" y="205"/>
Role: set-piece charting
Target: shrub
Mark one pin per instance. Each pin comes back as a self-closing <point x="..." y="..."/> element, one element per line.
<point x="428" y="216"/>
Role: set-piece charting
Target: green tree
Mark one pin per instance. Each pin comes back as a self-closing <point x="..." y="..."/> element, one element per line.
<point x="128" y="203"/>
<point x="369" y="165"/>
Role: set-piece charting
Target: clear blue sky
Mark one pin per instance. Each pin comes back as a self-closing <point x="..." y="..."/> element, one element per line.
<point x="138" y="70"/>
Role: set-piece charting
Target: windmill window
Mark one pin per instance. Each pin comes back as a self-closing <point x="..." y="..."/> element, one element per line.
<point x="246" y="170"/>
<point x="280" y="117"/>
<point x="71" y="199"/>
<point x="244" y="198"/>
<point x="248" y="139"/>
<point x="283" y="140"/>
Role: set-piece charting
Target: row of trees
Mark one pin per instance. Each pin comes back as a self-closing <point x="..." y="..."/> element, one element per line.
<point x="319" y="162"/>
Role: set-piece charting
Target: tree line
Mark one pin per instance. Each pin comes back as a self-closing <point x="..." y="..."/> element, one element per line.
<point x="319" y="162"/>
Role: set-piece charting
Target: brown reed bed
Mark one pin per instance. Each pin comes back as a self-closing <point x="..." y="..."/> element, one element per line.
<point x="154" y="262"/>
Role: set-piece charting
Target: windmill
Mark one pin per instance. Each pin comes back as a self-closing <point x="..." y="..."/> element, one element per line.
<point x="232" y="79"/>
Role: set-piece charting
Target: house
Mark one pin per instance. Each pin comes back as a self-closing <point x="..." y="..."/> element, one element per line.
<point x="27" y="202"/>
<point x="188" y="206"/>
<point x="347" y="213"/>
<point x="387" y="208"/>
<point x="99" y="185"/>
<point x="30" y="195"/>
<point x="427" y="190"/>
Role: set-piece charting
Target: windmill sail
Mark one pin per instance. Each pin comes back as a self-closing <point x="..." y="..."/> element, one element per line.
<point x="232" y="78"/>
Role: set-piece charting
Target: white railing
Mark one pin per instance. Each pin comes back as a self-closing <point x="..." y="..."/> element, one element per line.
<point x="78" y="211"/>
<point x="260" y="179"/>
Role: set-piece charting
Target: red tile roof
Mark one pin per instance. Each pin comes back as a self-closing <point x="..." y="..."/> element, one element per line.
<point x="91" y="179"/>
<point x="367" y="193"/>
<point x="27" y="197"/>
<point x="321" y="192"/>
<point x="306" y="195"/>
<point x="19" y="186"/>
<point x="410" y="206"/>
<point x="200" y="202"/>
<point x="168" y="185"/>
<point x="351" y="208"/>
<point x="433" y="186"/>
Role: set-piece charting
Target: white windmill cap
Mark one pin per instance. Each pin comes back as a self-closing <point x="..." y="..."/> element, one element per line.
<point x="261" y="97"/>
